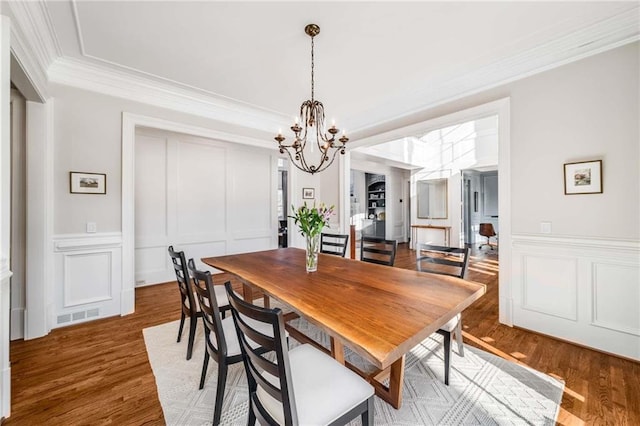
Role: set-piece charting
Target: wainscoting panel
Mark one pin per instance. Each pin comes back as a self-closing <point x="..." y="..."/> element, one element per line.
<point x="208" y="198"/>
<point x="610" y="280"/>
<point x="549" y="286"/>
<point x="87" y="268"/>
<point x="88" y="276"/>
<point x="581" y="290"/>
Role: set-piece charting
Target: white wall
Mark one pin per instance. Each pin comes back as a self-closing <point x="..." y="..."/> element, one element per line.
<point x="203" y="196"/>
<point x="583" y="111"/>
<point x="5" y="219"/>
<point x="92" y="274"/>
<point x="88" y="137"/>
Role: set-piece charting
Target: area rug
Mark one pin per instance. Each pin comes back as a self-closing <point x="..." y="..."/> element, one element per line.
<point x="483" y="389"/>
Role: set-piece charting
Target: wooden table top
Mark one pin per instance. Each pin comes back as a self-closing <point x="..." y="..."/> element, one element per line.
<point x="380" y="312"/>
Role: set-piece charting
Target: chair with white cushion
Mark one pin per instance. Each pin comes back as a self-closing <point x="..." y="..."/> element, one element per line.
<point x="220" y="334"/>
<point x="301" y="386"/>
<point x="452" y="261"/>
<point x="188" y="302"/>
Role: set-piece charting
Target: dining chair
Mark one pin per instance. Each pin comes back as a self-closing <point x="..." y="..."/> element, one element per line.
<point x="452" y="261"/>
<point x="189" y="303"/>
<point x="301" y="386"/>
<point x="334" y="244"/>
<point x="220" y="334"/>
<point x="378" y="250"/>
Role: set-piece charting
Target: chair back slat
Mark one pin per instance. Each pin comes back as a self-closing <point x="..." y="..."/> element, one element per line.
<point x="378" y="250"/>
<point x="203" y="285"/>
<point x="182" y="277"/>
<point x="257" y="367"/>
<point x="334" y="244"/>
<point x="454" y="257"/>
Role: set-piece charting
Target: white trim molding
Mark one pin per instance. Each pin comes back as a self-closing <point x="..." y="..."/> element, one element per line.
<point x="579" y="289"/>
<point x="33" y="42"/>
<point x="151" y="90"/>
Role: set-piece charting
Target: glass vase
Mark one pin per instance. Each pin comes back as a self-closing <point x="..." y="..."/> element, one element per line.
<point x="312" y="249"/>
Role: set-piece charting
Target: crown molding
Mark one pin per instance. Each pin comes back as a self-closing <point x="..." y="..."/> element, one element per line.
<point x="33" y="41"/>
<point x="616" y="31"/>
<point x="142" y="88"/>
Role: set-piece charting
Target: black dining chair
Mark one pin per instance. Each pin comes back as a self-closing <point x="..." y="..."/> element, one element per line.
<point x="188" y="302"/>
<point x="378" y="250"/>
<point x="334" y="244"/>
<point x="220" y="334"/>
<point x="301" y="386"/>
<point x="452" y="261"/>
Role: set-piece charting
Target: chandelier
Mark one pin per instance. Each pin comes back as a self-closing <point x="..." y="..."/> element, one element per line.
<point x="312" y="115"/>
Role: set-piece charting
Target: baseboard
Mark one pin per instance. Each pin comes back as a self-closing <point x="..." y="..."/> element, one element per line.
<point x="578" y="344"/>
<point x="17" y="324"/>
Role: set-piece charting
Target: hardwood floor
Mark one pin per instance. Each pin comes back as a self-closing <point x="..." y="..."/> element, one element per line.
<point x="98" y="373"/>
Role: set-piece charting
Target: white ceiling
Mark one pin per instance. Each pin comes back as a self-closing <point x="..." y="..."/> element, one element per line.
<point x="375" y="61"/>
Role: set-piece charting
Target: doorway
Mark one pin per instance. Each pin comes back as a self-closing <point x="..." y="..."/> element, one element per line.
<point x="18" y="232"/>
<point x="283" y="203"/>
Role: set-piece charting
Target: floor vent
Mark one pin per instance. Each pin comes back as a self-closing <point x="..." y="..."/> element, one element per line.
<point x="78" y="316"/>
<point x="64" y="318"/>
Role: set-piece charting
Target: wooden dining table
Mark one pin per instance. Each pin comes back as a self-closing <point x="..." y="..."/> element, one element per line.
<point x="379" y="312"/>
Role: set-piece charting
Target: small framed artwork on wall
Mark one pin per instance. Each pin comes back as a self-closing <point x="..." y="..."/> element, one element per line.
<point x="87" y="183"/>
<point x="584" y="177"/>
<point x="308" y="193"/>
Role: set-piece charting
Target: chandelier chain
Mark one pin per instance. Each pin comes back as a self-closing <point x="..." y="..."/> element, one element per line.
<point x="312" y="75"/>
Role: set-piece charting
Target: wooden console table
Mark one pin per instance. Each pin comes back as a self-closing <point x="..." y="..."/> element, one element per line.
<point x="445" y="229"/>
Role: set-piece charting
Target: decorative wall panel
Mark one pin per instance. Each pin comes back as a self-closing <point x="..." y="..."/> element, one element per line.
<point x="204" y="197"/>
<point x="88" y="273"/>
<point x="581" y="290"/>
<point x="549" y="286"/>
<point x="616" y="297"/>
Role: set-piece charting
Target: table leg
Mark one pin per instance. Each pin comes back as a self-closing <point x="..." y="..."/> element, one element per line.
<point x="247" y="292"/>
<point x="337" y="350"/>
<point x="392" y="393"/>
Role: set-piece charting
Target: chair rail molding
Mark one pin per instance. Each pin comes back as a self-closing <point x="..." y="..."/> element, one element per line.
<point x="580" y="289"/>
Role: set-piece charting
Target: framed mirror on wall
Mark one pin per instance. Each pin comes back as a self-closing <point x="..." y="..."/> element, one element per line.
<point x="432" y="199"/>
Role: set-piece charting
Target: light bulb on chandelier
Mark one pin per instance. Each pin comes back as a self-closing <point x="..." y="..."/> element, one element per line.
<point x="312" y="114"/>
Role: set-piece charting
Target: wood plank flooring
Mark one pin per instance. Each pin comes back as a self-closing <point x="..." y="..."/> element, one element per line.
<point x="98" y="373"/>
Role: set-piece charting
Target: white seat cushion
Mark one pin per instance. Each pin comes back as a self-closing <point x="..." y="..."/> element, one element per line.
<point x="221" y="295"/>
<point x="451" y="324"/>
<point x="323" y="388"/>
<point x="231" y="336"/>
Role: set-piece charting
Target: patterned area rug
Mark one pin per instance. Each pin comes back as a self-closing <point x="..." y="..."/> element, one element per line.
<point x="483" y="389"/>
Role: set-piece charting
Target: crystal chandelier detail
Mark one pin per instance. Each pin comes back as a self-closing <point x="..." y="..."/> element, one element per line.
<point x="313" y="120"/>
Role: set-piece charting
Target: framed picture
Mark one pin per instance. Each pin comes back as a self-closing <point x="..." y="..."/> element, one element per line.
<point x="308" y="193"/>
<point x="87" y="183"/>
<point x="584" y="177"/>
